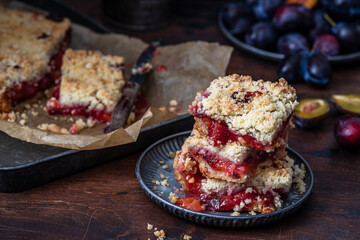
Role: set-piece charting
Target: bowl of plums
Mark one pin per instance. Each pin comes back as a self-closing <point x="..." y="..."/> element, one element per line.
<point x="306" y="37"/>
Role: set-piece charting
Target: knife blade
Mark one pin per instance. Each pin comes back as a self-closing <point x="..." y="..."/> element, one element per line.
<point x="131" y="89"/>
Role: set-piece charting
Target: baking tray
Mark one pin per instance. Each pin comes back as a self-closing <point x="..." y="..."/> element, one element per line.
<point x="25" y="165"/>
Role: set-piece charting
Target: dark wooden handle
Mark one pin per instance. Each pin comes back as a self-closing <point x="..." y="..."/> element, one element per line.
<point x="123" y="107"/>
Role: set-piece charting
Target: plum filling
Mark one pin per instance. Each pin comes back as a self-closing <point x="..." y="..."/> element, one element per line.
<point x="225" y="200"/>
<point x="230" y="168"/>
<point x="219" y="132"/>
<point x="27" y="89"/>
<point x="54" y="106"/>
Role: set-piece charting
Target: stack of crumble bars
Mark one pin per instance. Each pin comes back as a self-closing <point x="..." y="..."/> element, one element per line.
<point x="235" y="158"/>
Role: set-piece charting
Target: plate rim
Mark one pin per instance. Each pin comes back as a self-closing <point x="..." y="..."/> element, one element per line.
<point x="153" y="196"/>
<point x="274" y="56"/>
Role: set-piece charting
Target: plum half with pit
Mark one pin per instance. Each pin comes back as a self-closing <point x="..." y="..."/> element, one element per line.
<point x="310" y="112"/>
<point x="346" y="103"/>
<point x="347" y="132"/>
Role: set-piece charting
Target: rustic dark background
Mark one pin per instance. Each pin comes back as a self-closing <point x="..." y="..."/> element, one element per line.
<point x="106" y="202"/>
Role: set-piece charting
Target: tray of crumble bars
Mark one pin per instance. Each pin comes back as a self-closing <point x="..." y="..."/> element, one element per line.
<point x="234" y="169"/>
<point x="60" y="82"/>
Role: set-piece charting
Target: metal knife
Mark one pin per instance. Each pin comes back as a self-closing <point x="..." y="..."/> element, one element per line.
<point x="131" y="89"/>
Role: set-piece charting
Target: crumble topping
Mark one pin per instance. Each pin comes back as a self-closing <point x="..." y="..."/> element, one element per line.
<point x="187" y="237"/>
<point x="260" y="115"/>
<point x="28" y="40"/>
<point x="91" y="79"/>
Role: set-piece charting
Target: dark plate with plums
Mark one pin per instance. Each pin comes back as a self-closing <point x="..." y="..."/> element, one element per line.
<point x="149" y="168"/>
<point x="274" y="56"/>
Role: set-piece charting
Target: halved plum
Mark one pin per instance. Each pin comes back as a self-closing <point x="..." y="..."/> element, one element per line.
<point x="346" y="103"/>
<point x="311" y="112"/>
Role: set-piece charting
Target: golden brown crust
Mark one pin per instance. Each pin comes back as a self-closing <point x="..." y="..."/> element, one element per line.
<point x="28" y="40"/>
<point x="260" y="115"/>
<point x="91" y="79"/>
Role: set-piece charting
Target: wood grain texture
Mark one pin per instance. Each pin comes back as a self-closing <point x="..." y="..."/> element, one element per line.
<point x="106" y="202"/>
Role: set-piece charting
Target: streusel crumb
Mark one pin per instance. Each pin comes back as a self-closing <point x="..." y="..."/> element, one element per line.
<point x="187" y="237"/>
<point x="235" y="214"/>
<point x="160" y="234"/>
<point x="173" y="198"/>
<point x="149" y="226"/>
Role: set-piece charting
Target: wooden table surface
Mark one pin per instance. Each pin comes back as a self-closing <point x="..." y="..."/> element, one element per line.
<point x="106" y="202"/>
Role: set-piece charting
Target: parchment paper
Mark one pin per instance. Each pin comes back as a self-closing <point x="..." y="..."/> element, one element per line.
<point x="191" y="66"/>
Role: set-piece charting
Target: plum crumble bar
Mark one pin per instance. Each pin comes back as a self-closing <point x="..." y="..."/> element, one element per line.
<point x="236" y="108"/>
<point x="91" y="84"/>
<point x="31" y="50"/>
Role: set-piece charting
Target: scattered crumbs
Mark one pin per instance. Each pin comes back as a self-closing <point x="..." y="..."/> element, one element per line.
<point x="171" y="154"/>
<point x="155" y="188"/>
<point x="22" y="122"/>
<point x="34" y="113"/>
<point x="3" y="116"/>
<point x="165" y="167"/>
<point x="187" y="237"/>
<point x="44" y="109"/>
<point x="71" y="119"/>
<point x="162" y="109"/>
<point x="173" y="198"/>
<point x="27" y="106"/>
<point x="161" y="194"/>
<point x="235" y="214"/>
<point x="24" y="116"/>
<point x="35" y="105"/>
<point x="162" y="176"/>
<point x="90" y="123"/>
<point x="173" y="103"/>
<point x="162" y="162"/>
<point x="155" y="182"/>
<point x="52" y="128"/>
<point x="155" y="228"/>
<point x="172" y="109"/>
<point x="160" y="234"/>
<point x="149" y="226"/>
<point x="11" y="117"/>
<point x="165" y="183"/>
<point x="252" y="213"/>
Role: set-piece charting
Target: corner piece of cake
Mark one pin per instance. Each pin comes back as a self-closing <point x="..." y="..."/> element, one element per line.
<point x="254" y="113"/>
<point x="90" y="85"/>
<point x="31" y="50"/>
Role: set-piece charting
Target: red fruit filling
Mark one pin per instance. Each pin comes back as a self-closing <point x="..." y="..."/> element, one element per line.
<point x="219" y="132"/>
<point x="230" y="168"/>
<point x="54" y="106"/>
<point x="223" y="200"/>
<point x="191" y="204"/>
<point x="24" y="90"/>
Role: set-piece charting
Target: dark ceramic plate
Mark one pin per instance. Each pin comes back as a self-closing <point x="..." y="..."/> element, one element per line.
<point x="148" y="168"/>
<point x="273" y="56"/>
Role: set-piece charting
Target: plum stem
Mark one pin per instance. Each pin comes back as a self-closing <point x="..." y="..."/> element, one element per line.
<point x="329" y="20"/>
